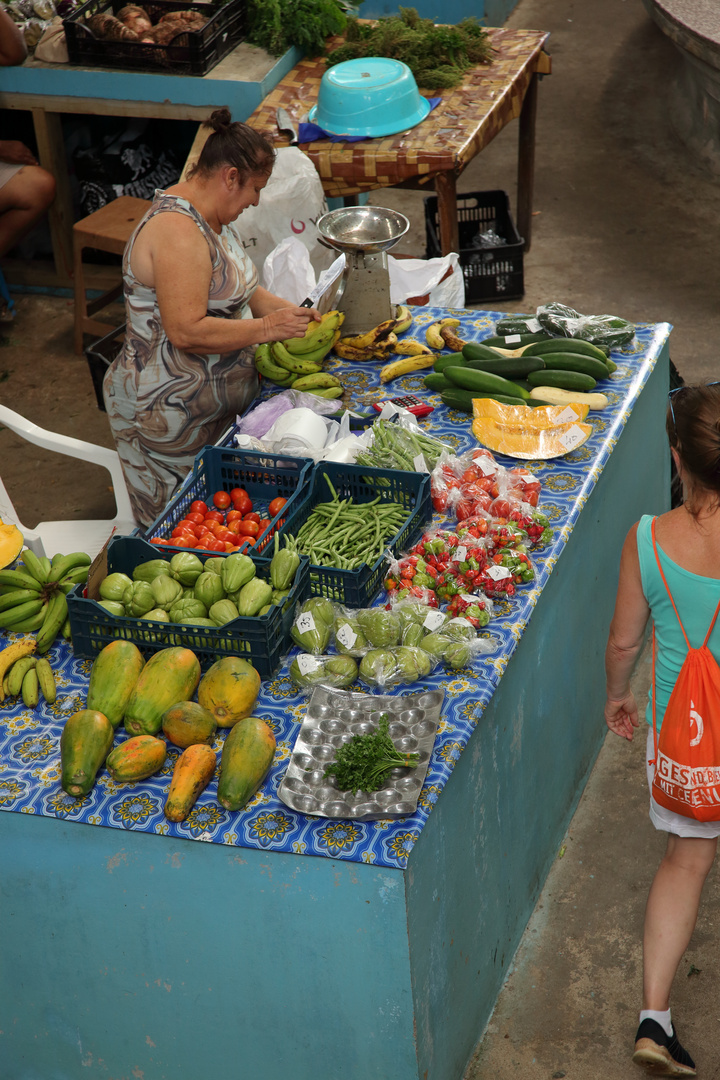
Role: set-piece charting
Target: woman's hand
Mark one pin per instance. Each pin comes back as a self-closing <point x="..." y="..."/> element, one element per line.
<point x="621" y="716"/>
<point x="14" y="152"/>
<point x="288" y="322"/>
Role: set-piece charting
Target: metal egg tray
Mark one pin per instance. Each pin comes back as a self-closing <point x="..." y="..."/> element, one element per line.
<point x="332" y="718"/>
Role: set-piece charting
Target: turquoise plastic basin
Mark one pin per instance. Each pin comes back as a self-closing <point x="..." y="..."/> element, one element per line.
<point x="373" y="96"/>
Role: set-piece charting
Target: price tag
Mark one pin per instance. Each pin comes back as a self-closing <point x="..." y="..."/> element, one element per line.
<point x="572" y="437"/>
<point x="307" y="664"/>
<point x="513" y="339"/>
<point x="346" y="636"/>
<point x="497" y="573"/>
<point x="486" y="466"/>
<point x="567" y="415"/>
<point x="305" y="622"/>
<point x="460" y="554"/>
<point x="471" y="598"/>
<point x="420" y="463"/>
<point x="433" y="620"/>
<point x="534" y="326"/>
<point x="530" y="478"/>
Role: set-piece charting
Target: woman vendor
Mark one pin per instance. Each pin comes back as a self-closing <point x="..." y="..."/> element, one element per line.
<point x="195" y="313"/>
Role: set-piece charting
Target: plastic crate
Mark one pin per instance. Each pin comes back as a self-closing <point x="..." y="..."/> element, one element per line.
<point x="100" y="356"/>
<point x="490" y="273"/>
<point x="358" y="588"/>
<point x="262" y="639"/>
<point x="220" y="468"/>
<point x="192" y="52"/>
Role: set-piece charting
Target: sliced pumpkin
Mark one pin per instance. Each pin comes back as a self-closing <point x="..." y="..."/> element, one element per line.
<point x="543" y="416"/>
<point x="11" y="544"/>
<point x="519" y="441"/>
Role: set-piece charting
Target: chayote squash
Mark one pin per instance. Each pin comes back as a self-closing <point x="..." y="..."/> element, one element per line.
<point x="166" y="591"/>
<point x="209" y="589"/>
<point x="113" y="587"/>
<point x="184" y="610"/>
<point x="152" y="568"/>
<point x="237" y="570"/>
<point x="382" y="628"/>
<point x="253" y="597"/>
<point x="186" y="567"/>
<point x="223" y="611"/>
<point x="378" y="667"/>
<point x="309" y="630"/>
<point x="138" y="598"/>
<point x="350" y="638"/>
<point x="336" y="671"/>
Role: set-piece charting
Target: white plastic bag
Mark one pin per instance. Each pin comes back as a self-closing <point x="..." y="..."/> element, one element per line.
<point x="424" y="277"/>
<point x="290" y="204"/>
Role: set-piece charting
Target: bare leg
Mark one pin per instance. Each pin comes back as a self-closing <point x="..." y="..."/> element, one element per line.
<point x="671" y="914"/>
<point x="23" y="201"/>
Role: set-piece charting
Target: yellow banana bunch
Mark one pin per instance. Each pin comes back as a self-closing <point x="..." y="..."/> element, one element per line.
<point x="317" y="336"/>
<point x="439" y="335"/>
<point x="407" y="365"/>
<point x="403" y="318"/>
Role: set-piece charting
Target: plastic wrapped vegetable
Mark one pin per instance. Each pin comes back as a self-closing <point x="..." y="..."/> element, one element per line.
<point x="381" y="628"/>
<point x="564" y="321"/>
<point x="349" y="635"/>
<point x="312" y="627"/>
<point x="336" y="671"/>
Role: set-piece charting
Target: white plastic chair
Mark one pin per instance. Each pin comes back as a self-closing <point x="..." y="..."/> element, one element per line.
<point x="51" y="537"/>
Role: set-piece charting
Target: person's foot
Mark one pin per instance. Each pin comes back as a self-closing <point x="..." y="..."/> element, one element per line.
<point x="661" y="1054"/>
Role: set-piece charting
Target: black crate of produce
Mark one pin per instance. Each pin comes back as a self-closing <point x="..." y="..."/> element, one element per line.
<point x="492" y="270"/>
<point x="100" y="356"/>
<point x="222" y="468"/>
<point x="262" y="639"/>
<point x="189" y="52"/>
<point x="358" y="587"/>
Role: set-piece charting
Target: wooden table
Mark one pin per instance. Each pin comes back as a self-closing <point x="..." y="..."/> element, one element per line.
<point x="436" y="152"/>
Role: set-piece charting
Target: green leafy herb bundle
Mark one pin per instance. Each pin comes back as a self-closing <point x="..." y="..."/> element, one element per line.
<point x="437" y="55"/>
<point x="276" y="25"/>
<point x="364" y="762"/>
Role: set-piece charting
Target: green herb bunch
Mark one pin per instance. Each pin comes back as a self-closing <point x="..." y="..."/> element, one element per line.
<point x="437" y="55"/>
<point x="277" y="25"/>
<point x="363" y="763"/>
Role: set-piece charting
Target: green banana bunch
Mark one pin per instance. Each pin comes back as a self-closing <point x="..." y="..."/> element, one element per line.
<point x="297" y="365"/>
<point x="29" y="677"/>
<point x="269" y="369"/>
<point x="32" y="601"/>
<point x="319" y="380"/>
<point x="318" y="335"/>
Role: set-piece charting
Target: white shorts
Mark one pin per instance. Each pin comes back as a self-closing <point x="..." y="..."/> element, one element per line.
<point x="668" y="820"/>
<point x="7" y="171"/>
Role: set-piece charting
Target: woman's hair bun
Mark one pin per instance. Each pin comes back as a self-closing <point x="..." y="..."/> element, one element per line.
<point x="220" y="119"/>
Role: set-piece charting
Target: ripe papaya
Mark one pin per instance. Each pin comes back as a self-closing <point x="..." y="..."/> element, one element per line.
<point x="84" y="745"/>
<point x="115" y="671"/>
<point x="136" y="758"/>
<point x="188" y="723"/>
<point x="192" y="773"/>
<point x="169" y="676"/>
<point x="229" y="690"/>
<point x="244" y="763"/>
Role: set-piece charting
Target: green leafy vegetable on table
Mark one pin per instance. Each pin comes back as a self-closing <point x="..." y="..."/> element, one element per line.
<point x="277" y="25"/>
<point x="364" y="763"/>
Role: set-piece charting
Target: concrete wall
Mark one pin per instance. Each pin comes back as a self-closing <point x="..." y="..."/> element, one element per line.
<point x="489" y="12"/>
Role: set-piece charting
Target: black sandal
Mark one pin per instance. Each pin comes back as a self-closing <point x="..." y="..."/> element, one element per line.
<point x="659" y="1053"/>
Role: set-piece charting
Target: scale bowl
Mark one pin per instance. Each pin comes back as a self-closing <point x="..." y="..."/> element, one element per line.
<point x="362" y="228"/>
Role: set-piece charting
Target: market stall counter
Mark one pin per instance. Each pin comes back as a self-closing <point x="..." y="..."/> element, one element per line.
<point x="273" y="941"/>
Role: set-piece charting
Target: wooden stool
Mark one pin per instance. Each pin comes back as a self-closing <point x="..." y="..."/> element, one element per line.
<point x="108" y="229"/>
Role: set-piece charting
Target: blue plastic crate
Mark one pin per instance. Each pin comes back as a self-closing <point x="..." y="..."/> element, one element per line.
<point x="262" y="639"/>
<point x="222" y="468"/>
<point x="357" y="588"/>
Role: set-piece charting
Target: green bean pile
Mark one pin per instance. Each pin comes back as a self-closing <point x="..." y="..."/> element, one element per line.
<point x="345" y="534"/>
<point x="396" y="447"/>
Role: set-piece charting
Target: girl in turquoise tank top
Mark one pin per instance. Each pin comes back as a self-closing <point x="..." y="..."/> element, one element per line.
<point x="688" y="543"/>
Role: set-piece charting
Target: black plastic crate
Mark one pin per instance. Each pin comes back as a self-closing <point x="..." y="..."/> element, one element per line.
<point x="490" y="273"/>
<point x="192" y="52"/>
<point x="222" y="468"/>
<point x="358" y="588"/>
<point x="100" y="356"/>
<point x="262" y="639"/>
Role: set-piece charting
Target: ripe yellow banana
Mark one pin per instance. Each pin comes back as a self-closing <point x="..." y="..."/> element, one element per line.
<point x="403" y="319"/>
<point x="449" y="337"/>
<point x="373" y="337"/>
<point x="316" y="335"/>
<point x="407" y="365"/>
<point x="349" y="352"/>
<point x="433" y="338"/>
<point x="11" y="653"/>
<point x="411" y="347"/>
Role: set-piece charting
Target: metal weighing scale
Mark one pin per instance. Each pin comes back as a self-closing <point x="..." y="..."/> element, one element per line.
<point x="364" y="234"/>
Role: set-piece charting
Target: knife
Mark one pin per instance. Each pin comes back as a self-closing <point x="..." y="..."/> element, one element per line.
<point x="286" y="126"/>
<point x="323" y="295"/>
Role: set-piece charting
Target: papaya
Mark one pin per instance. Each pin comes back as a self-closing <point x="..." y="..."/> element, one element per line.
<point x="84" y="745"/>
<point x="169" y="676"/>
<point x="115" y="671"/>
<point x="245" y="761"/>
<point x="229" y="690"/>
<point x="192" y="773"/>
<point x="136" y="758"/>
<point x="188" y="723"/>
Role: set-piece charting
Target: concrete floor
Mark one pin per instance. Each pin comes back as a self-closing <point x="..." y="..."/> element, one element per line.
<point x="626" y="222"/>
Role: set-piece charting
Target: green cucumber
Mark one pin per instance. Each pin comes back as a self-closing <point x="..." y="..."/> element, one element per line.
<point x="574" y="345"/>
<point x="510" y="367"/>
<point x="437" y="382"/>
<point x="501" y="342"/>
<point x="569" y="361"/>
<point x="452" y="358"/>
<point x="611" y="365"/>
<point x="475" y="350"/>
<point x="483" y="383"/>
<point x="462" y="400"/>
<point x="566" y="380"/>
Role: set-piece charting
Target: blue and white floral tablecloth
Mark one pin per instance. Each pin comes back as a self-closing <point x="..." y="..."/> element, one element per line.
<point x="30" y="740"/>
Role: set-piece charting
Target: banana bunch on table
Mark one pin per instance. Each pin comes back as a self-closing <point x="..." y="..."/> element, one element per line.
<point x="298" y="362"/>
<point x="32" y="596"/>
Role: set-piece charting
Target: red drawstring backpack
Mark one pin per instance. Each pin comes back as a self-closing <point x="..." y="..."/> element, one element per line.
<point x="687" y="754"/>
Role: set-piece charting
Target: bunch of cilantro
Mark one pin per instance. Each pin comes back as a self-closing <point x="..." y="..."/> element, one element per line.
<point x="277" y="25"/>
<point x="365" y="761"/>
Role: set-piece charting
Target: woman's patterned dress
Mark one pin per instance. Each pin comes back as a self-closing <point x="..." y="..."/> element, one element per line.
<point x="164" y="405"/>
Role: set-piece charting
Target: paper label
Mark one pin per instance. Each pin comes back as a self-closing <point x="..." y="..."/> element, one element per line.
<point x="460" y="554"/>
<point x="534" y="326"/>
<point x="512" y="339"/>
<point x="530" y="478"/>
<point x="433" y="620"/>
<point x="346" y="636"/>
<point x="485" y="465"/>
<point x="572" y="437"/>
<point x="420" y="463"/>
<point x="305" y="622"/>
<point x="567" y="415"/>
<point x="307" y="664"/>
<point x="497" y="573"/>
<point x="471" y="598"/>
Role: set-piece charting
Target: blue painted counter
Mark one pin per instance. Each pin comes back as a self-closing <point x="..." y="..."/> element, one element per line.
<point x="128" y="954"/>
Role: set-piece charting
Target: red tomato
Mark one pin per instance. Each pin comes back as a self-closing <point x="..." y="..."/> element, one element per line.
<point x="214" y="544"/>
<point x="221" y="499"/>
<point x="202" y="530"/>
<point x="252" y="516"/>
<point x="214" y="515"/>
<point x="233" y="515"/>
<point x="264" y="524"/>
<point x="500" y="508"/>
<point x="231" y="547"/>
<point x="158" y="540"/>
<point x="187" y="526"/>
<point x="234" y="525"/>
<point x="276" y="506"/>
<point x="237" y="493"/>
<point x="185" y="540"/>
<point x="248" y="528"/>
<point x="196" y="518"/>
<point x="180" y="531"/>
<point x="198" y="507"/>
<point x="225" y="535"/>
<point x="243" y="503"/>
<point x="202" y="545"/>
